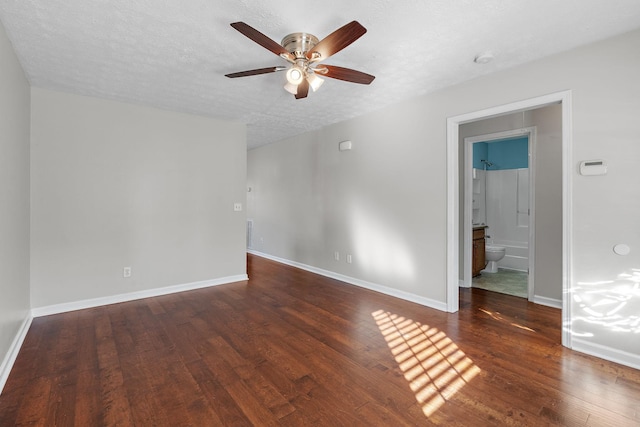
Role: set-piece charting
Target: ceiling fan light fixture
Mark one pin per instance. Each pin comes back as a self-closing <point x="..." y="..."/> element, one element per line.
<point x="302" y="50"/>
<point x="295" y="75"/>
<point x="291" y="88"/>
<point x="314" y="81"/>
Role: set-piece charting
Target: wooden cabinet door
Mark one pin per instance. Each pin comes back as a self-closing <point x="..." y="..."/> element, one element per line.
<point x="478" y="258"/>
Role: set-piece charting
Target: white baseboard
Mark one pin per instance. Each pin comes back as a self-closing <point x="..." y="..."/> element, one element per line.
<point x="607" y="353"/>
<point x="549" y="302"/>
<point x="113" y="299"/>
<point x="461" y="284"/>
<point x="407" y="296"/>
<point x="14" y="349"/>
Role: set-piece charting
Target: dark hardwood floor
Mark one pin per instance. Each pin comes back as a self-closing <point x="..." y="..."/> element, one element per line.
<point x="292" y="348"/>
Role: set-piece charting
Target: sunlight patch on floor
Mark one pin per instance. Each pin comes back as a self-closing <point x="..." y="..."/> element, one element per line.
<point x="431" y="362"/>
<point x="498" y="317"/>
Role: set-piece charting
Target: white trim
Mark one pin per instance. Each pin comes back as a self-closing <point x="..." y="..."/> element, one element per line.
<point x="530" y="132"/>
<point x="567" y="216"/>
<point x="467" y="224"/>
<point x="531" y="253"/>
<point x="407" y="296"/>
<point x="549" y="302"/>
<point x="14" y="349"/>
<point x="509" y="268"/>
<point x="131" y="296"/>
<point x="607" y="353"/>
<point x="453" y="214"/>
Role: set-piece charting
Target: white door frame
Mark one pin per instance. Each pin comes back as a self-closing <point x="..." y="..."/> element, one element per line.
<point x="530" y="133"/>
<point x="453" y="194"/>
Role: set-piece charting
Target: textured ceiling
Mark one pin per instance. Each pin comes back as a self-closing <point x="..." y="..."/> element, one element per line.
<point x="174" y="54"/>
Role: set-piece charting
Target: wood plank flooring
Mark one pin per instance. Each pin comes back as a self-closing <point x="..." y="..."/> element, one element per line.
<point x="290" y="348"/>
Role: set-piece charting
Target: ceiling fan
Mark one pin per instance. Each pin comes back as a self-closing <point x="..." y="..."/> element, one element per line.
<point x="304" y="51"/>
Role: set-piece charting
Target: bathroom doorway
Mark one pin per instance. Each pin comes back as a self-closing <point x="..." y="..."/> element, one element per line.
<point x="552" y="267"/>
<point x="499" y="189"/>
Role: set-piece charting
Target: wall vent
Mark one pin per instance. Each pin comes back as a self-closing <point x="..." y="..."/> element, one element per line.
<point x="249" y="233"/>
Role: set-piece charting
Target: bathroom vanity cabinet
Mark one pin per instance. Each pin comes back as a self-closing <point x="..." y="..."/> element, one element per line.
<point x="478" y="258"/>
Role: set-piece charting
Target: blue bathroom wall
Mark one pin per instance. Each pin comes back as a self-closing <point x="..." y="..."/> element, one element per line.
<point x="512" y="153"/>
<point x="480" y="151"/>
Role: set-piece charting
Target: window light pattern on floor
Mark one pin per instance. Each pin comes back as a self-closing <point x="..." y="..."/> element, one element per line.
<point x="433" y="365"/>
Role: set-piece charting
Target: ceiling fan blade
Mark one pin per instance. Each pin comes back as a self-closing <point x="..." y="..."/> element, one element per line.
<point x="263" y="40"/>
<point x="346" y="74"/>
<point x="336" y="41"/>
<point x="255" y="72"/>
<point x="303" y="89"/>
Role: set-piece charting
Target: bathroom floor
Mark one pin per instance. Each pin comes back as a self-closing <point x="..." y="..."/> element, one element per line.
<point x="508" y="282"/>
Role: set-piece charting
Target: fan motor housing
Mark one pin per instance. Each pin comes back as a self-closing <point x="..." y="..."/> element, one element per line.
<point x="299" y="43"/>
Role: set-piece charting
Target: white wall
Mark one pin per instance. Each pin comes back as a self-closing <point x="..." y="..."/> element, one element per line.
<point x="375" y="202"/>
<point x="117" y="185"/>
<point x="14" y="202"/>
<point x="548" y="202"/>
<point x="385" y="201"/>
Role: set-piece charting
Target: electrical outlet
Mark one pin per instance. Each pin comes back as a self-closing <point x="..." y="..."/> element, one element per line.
<point x="237" y="207"/>
<point x="349" y="259"/>
<point x="126" y="272"/>
<point x="336" y="255"/>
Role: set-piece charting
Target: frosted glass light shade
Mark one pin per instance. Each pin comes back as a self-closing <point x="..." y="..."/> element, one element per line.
<point x="295" y="75"/>
<point x="314" y="81"/>
<point x="291" y="88"/>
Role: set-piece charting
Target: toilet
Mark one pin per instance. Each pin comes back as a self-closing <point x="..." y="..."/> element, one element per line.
<point x="493" y="254"/>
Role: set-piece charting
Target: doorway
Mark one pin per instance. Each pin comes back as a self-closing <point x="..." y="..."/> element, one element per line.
<point x="506" y="160"/>
<point x="455" y="192"/>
